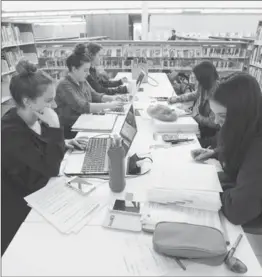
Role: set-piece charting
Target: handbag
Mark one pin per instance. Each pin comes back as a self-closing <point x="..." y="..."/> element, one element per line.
<point x="202" y="244"/>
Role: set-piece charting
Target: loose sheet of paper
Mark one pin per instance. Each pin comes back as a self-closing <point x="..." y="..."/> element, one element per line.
<point x="140" y="259"/>
<point x="155" y="212"/>
<point x="63" y="207"/>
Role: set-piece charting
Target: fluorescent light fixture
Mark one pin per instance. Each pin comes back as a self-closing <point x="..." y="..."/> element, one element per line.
<point x="57" y="23"/>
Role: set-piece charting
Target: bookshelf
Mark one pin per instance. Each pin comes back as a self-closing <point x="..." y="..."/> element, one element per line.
<point x="227" y="56"/>
<point x="255" y="68"/>
<point x="17" y="42"/>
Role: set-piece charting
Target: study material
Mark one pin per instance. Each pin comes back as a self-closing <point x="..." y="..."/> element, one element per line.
<point x="139" y="257"/>
<point x="181" y="125"/>
<point x="205" y="200"/>
<point x="95" y="123"/>
<point x="156" y="212"/>
<point x="62" y="206"/>
<point x="187" y="176"/>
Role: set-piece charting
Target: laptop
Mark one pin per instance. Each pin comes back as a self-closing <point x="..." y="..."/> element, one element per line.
<point x="94" y="161"/>
<point x="122" y="110"/>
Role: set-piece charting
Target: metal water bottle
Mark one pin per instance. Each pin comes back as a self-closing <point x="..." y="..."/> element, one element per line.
<point x="116" y="155"/>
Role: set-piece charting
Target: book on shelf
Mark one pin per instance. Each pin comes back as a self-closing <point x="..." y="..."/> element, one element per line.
<point x="257" y="73"/>
<point x="259" y="32"/>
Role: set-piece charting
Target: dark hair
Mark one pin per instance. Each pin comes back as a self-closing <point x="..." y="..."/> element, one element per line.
<point x="241" y="95"/>
<point x="206" y="74"/>
<point x="78" y="57"/>
<point x="93" y="48"/>
<point x="28" y="82"/>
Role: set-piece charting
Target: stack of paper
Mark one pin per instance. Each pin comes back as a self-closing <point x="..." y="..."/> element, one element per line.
<point x="64" y="208"/>
<point x="95" y="123"/>
<point x="155" y="212"/>
<point x="182" y="125"/>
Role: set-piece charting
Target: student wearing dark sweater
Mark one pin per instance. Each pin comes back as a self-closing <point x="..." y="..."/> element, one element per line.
<point x="98" y="82"/>
<point x="75" y="96"/>
<point x="237" y="104"/>
<point x="32" y="144"/>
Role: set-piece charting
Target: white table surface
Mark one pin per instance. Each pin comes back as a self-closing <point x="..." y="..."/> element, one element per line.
<point x="38" y="249"/>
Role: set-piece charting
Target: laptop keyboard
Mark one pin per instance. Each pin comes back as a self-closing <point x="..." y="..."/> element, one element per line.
<point x="118" y="110"/>
<point x="96" y="160"/>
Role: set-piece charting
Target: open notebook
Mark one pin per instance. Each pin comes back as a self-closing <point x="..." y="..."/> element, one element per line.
<point x="95" y="123"/>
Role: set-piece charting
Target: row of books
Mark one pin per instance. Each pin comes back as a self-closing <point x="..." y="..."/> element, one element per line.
<point x="257" y="73"/>
<point x="259" y="32"/>
<point x="11" y="35"/>
<point x="256" y="56"/>
<point x="10" y="58"/>
<point x="162" y="51"/>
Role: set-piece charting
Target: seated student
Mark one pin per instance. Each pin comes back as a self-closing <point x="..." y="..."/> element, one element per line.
<point x="74" y="94"/>
<point x="207" y="80"/>
<point x="94" y="51"/>
<point x="32" y="144"/>
<point x="237" y="104"/>
<point x="106" y="82"/>
<point x="180" y="82"/>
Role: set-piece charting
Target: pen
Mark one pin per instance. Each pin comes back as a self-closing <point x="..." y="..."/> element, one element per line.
<point x="180" y="140"/>
<point x="233" y="249"/>
<point x="180" y="263"/>
<point x="222" y="220"/>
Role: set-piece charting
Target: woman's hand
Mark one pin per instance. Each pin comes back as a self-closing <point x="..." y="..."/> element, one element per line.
<point x="202" y="154"/>
<point x="114" y="105"/>
<point x="124" y="80"/>
<point x="75" y="144"/>
<point x="48" y="116"/>
<point x="173" y="100"/>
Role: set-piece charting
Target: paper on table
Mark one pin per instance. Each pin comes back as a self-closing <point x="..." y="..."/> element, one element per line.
<point x="140" y="259"/>
<point x="188" y="176"/>
<point x="61" y="206"/>
<point x="173" y="213"/>
<point x="205" y="200"/>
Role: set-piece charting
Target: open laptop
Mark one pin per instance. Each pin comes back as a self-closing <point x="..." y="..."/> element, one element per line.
<point x="122" y="110"/>
<point x="95" y="159"/>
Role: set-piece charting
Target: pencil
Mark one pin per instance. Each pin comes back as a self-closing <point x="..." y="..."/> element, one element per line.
<point x="222" y="220"/>
<point x="180" y="263"/>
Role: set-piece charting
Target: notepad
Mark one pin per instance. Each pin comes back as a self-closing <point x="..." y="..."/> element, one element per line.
<point x="95" y="123"/>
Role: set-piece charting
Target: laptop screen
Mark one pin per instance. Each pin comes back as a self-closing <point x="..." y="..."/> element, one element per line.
<point x="129" y="129"/>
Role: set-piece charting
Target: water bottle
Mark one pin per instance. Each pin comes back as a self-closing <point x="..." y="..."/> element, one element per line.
<point x="116" y="155"/>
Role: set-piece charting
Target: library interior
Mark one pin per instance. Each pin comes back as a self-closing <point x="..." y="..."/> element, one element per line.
<point x="121" y="120"/>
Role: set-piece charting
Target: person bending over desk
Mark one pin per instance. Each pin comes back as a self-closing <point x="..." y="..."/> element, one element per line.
<point x="109" y="88"/>
<point x="74" y="95"/>
<point x="237" y="104"/>
<point x="32" y="144"/>
<point x="206" y="82"/>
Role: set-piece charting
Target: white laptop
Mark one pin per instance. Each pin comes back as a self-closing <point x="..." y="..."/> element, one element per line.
<point x="94" y="161"/>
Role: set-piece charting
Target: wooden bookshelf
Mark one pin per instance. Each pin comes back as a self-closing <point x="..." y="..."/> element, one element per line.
<point x="17" y="42"/>
<point x="255" y="68"/>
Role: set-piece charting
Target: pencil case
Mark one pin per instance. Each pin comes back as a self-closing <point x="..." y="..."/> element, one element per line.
<point x="201" y="244"/>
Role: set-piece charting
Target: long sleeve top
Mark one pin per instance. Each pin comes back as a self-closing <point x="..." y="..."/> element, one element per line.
<point x="202" y="112"/>
<point x="242" y="198"/>
<point x="106" y="82"/>
<point x="99" y="87"/>
<point x="73" y="99"/>
<point x="29" y="159"/>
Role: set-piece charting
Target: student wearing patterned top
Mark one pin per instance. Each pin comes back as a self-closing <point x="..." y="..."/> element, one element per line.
<point x="74" y="95"/>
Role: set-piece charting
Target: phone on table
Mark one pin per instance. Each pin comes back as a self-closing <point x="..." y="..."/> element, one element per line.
<point x="81" y="186"/>
<point x="126" y="207"/>
<point x="168" y="138"/>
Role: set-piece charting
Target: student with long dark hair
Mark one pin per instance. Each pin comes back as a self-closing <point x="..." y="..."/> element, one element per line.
<point x="237" y="104"/>
<point x="75" y="96"/>
<point x="206" y="82"/>
<point x="97" y="79"/>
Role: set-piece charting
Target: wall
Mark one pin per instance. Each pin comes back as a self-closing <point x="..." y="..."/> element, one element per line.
<point x="50" y="31"/>
<point x="161" y="25"/>
<point x="115" y="26"/>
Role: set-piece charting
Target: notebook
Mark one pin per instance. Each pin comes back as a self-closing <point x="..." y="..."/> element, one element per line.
<point x="95" y="123"/>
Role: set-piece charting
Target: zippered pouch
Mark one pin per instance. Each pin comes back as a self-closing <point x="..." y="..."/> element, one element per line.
<point x="201" y="244"/>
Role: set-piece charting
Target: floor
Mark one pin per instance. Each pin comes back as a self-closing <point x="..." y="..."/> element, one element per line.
<point x="256" y="243"/>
